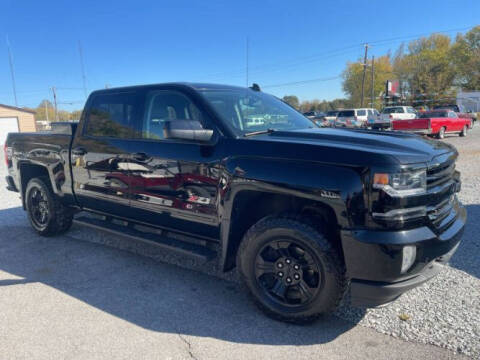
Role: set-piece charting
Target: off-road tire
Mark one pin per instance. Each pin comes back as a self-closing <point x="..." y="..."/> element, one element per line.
<point x="335" y="282"/>
<point x="60" y="217"/>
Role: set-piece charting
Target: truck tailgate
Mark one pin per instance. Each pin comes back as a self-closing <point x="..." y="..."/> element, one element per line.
<point x="413" y="124"/>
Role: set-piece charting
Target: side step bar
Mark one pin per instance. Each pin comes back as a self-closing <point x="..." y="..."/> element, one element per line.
<point x="127" y="230"/>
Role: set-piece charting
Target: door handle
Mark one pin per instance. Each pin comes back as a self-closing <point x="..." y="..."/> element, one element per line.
<point x="140" y="156"/>
<point x="79" y="151"/>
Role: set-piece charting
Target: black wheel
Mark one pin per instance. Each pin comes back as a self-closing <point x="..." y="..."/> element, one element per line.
<point x="46" y="214"/>
<point x="441" y="133"/>
<point x="464" y="131"/>
<point x="292" y="271"/>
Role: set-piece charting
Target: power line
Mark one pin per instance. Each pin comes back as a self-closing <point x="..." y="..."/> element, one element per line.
<point x="332" y="53"/>
<point x="10" y="60"/>
<point x="84" y="78"/>
<point x="303" y="82"/>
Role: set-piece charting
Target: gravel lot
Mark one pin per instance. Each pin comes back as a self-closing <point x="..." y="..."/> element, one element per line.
<point x="71" y="288"/>
<point x="446" y="310"/>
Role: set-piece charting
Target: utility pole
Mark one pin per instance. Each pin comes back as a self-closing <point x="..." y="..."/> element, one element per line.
<point x="46" y="110"/>
<point x="55" y="102"/>
<point x="246" y="62"/>
<point x="364" y="73"/>
<point x="84" y="78"/>
<point x="12" y="73"/>
<point x="373" y="81"/>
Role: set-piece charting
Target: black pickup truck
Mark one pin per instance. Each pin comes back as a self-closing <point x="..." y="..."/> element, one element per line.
<point x="305" y="214"/>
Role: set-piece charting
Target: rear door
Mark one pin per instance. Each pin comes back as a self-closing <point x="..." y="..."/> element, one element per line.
<point x="101" y="151"/>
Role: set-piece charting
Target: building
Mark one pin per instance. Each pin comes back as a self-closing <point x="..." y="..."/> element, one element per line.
<point x="13" y="119"/>
<point x="469" y="101"/>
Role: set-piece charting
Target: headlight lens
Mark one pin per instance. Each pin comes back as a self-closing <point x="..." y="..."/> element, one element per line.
<point x="402" y="184"/>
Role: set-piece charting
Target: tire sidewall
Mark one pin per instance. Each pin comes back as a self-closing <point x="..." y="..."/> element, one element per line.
<point x="39" y="184"/>
<point x="441" y="133"/>
<point x="323" y="301"/>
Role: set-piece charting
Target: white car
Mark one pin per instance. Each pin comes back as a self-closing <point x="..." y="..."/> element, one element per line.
<point x="356" y="118"/>
<point x="391" y="113"/>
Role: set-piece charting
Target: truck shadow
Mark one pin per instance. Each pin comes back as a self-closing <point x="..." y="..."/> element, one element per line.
<point x="154" y="295"/>
<point x="467" y="255"/>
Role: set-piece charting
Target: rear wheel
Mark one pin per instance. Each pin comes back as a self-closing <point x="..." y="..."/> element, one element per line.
<point x="464" y="131"/>
<point x="47" y="215"/>
<point x="293" y="273"/>
<point x="441" y="133"/>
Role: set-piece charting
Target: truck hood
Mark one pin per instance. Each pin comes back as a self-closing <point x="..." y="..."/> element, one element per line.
<point x="355" y="147"/>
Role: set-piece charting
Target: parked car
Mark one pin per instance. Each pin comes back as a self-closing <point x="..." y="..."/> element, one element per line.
<point x="421" y="108"/>
<point x="310" y="114"/>
<point x="452" y="107"/>
<point x="304" y="214"/>
<point x="391" y="113"/>
<point x="330" y="117"/>
<point x="435" y="123"/>
<point x="456" y="109"/>
<point x="355" y="118"/>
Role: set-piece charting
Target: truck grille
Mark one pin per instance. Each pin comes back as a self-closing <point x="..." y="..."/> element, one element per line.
<point x="440" y="174"/>
<point x="441" y="184"/>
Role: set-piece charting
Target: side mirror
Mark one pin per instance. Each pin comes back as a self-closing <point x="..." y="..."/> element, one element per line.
<point x="187" y="130"/>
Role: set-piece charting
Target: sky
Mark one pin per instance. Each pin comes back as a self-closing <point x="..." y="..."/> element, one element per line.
<point x="294" y="47"/>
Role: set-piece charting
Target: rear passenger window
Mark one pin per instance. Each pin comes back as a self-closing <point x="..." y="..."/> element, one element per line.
<point x="114" y="115"/>
<point x="361" y="112"/>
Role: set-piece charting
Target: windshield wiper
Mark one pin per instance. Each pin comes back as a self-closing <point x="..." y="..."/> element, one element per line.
<point x="260" y="132"/>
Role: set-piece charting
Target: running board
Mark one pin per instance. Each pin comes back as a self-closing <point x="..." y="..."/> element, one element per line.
<point x="128" y="230"/>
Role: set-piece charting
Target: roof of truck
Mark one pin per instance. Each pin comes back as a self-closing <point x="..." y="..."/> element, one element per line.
<point x="195" y="86"/>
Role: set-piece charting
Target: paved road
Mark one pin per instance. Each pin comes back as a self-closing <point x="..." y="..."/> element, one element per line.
<point x="71" y="298"/>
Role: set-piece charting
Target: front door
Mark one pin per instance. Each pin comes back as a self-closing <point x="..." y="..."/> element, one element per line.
<point x="174" y="183"/>
<point x="101" y="152"/>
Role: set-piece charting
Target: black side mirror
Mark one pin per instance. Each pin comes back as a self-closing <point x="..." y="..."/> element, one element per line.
<point x="187" y="130"/>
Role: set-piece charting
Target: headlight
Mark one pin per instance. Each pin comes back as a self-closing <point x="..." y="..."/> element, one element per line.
<point x="409" y="253"/>
<point x="402" y="184"/>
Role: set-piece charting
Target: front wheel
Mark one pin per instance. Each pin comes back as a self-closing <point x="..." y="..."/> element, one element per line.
<point x="464" y="131"/>
<point x="441" y="133"/>
<point x="292" y="271"/>
<point x="47" y="215"/>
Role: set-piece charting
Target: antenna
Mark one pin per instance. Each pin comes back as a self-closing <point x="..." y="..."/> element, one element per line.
<point x="84" y="78"/>
<point x="10" y="60"/>
<point x="246" y="67"/>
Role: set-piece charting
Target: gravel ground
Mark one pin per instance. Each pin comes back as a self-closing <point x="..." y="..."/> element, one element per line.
<point x="444" y="312"/>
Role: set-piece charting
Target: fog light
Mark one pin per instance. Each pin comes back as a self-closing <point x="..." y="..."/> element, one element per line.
<point x="409" y="254"/>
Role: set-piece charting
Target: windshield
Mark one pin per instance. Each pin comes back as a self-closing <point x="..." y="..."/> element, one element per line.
<point x="392" y="110"/>
<point x="346" y="113"/>
<point x="247" y="111"/>
<point x="332" y="113"/>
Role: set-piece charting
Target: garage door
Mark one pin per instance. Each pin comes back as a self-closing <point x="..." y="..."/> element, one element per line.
<point x="7" y="125"/>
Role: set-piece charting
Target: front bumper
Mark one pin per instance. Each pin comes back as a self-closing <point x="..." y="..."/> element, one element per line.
<point x="373" y="259"/>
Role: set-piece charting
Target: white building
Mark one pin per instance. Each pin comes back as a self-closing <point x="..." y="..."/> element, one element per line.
<point x="469" y="101"/>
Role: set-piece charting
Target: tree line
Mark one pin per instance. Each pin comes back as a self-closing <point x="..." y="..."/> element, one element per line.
<point x="430" y="71"/>
<point x="46" y="111"/>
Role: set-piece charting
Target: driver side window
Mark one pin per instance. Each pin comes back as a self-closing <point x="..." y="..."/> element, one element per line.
<point x="164" y="106"/>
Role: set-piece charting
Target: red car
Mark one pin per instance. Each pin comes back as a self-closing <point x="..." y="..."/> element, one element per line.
<point x="436" y="122"/>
